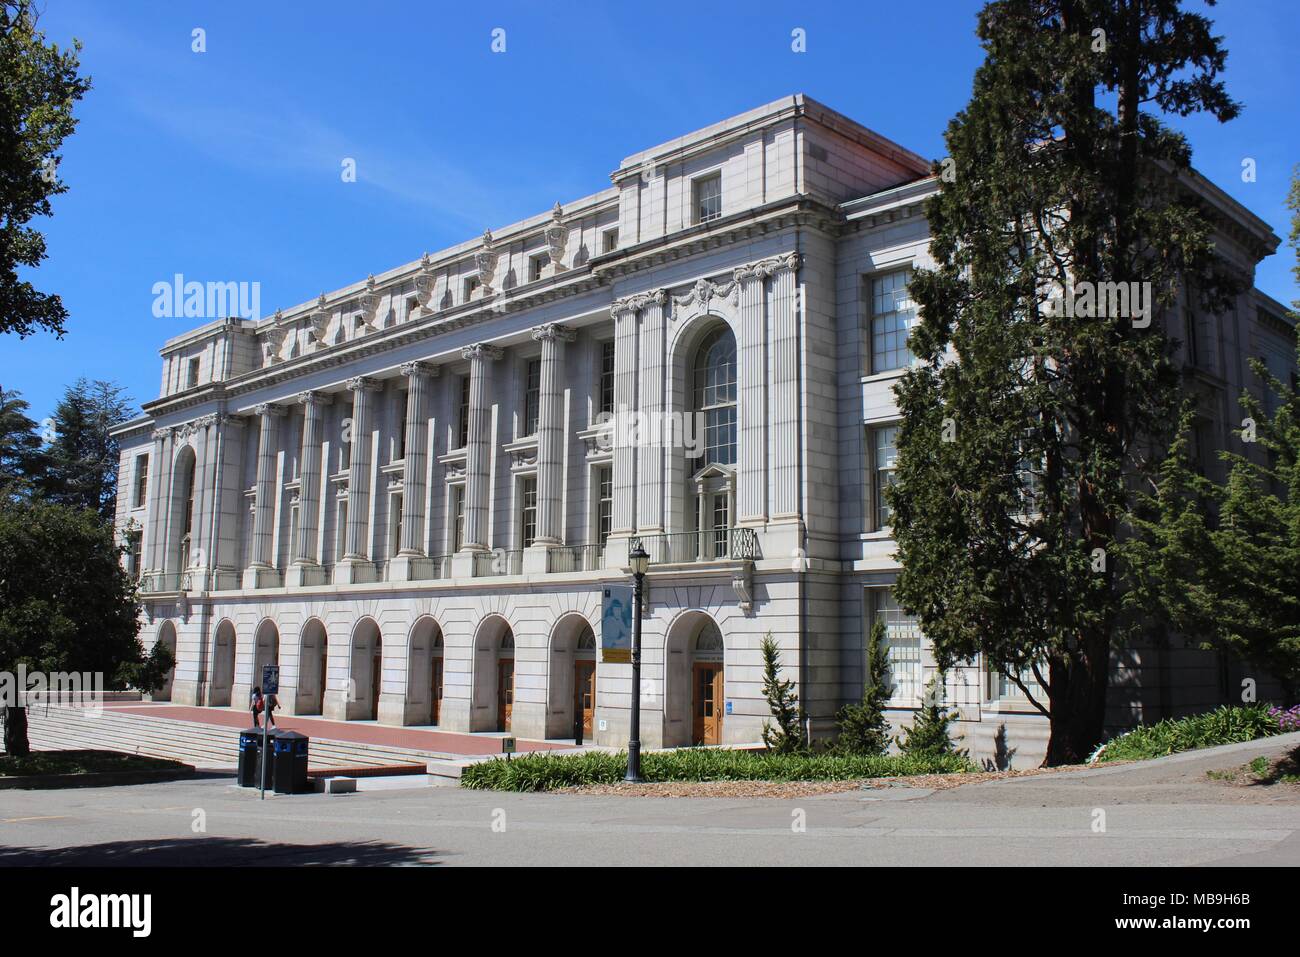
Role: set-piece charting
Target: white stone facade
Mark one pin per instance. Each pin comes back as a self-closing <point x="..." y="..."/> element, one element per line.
<point x="404" y="484"/>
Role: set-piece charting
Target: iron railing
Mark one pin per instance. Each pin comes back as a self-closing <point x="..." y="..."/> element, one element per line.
<point x="575" y="558"/>
<point x="499" y="561"/>
<point x="710" y="545"/>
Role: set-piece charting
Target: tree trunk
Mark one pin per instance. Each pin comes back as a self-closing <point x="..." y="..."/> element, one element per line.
<point x="1078" y="702"/>
<point x="16" y="744"/>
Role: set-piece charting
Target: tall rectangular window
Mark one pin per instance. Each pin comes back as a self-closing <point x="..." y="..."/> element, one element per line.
<point x="607" y="377"/>
<point x="1192" y="342"/>
<point x="471" y="286"/>
<point x="133" y="555"/>
<point x="462" y="414"/>
<point x="903" y="645"/>
<point x="892" y="316"/>
<point x="395" y="526"/>
<point x="404" y="409"/>
<point x="528" y="511"/>
<point x="532" y="395"/>
<point x="884" y="460"/>
<point x="609" y="240"/>
<point x="536" y="265"/>
<point x="708" y="198"/>
<point x="457" y="517"/>
<point x="604" y="504"/>
<point x="341" y="530"/>
<point x="192" y="373"/>
<point x="141" y="480"/>
<point x="721" y="521"/>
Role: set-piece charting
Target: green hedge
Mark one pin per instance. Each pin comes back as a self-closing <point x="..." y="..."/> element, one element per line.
<point x="1224" y="725"/>
<point x="545" y="772"/>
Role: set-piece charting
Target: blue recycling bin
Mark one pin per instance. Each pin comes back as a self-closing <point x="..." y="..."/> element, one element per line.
<point x="250" y="753"/>
<point x="290" y="768"/>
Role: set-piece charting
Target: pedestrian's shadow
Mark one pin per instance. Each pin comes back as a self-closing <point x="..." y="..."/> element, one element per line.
<point x="219" y="852"/>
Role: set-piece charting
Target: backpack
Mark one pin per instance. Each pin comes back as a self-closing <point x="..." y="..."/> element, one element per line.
<point x="257" y="703"/>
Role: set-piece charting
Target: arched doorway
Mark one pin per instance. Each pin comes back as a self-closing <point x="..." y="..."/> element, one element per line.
<point x="708" y="698"/>
<point x="494" y="676"/>
<point x="223" y="666"/>
<point x="167" y="638"/>
<point x="367" y="671"/>
<point x="266" y="650"/>
<point x="572" y="683"/>
<point x="424" y="673"/>
<point x="695" y="681"/>
<point x="313" y="661"/>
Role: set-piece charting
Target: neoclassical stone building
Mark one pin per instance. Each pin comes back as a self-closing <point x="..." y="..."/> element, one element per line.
<point x="412" y="492"/>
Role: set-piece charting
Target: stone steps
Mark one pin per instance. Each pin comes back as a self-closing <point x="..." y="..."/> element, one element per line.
<point x="204" y="746"/>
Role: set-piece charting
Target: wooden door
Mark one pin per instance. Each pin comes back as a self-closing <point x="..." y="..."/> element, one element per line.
<point x="376" y="674"/>
<point x="505" y="692"/>
<point x="584" y="695"/>
<point x="437" y="689"/>
<point x="708" y="703"/>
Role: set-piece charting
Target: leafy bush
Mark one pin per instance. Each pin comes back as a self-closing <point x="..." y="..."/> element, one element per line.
<point x="787" y="735"/>
<point x="928" y="735"/>
<point x="546" y="772"/>
<point x="1224" y="725"/>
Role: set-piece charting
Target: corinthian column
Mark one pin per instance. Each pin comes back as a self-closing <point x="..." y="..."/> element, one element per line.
<point x="409" y="562"/>
<point x="260" y="572"/>
<point x="550" y="433"/>
<point x="305" y="568"/>
<point x="355" y="565"/>
<point x="478" y="446"/>
<point x="651" y="408"/>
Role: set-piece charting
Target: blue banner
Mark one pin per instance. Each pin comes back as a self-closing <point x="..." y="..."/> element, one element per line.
<point x="616" y="624"/>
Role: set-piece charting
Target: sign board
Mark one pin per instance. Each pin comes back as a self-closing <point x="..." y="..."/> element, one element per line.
<point x="270" y="679"/>
<point x="616" y="624"/>
<point x="728" y="707"/>
<point x="507" y="745"/>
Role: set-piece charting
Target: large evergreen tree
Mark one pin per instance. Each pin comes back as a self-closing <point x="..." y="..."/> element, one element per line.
<point x="1222" y="562"/>
<point x="22" y="461"/>
<point x="1021" y="421"/>
<point x="38" y="86"/>
<point x="84" y="455"/>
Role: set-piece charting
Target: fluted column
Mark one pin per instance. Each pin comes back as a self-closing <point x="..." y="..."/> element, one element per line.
<point x="362" y="390"/>
<point x="751" y="472"/>
<point x="159" y="472"/>
<point x="478" y="446"/>
<point x="419" y="378"/>
<point x="305" y="567"/>
<point x="625" y="452"/>
<point x="651" y="407"/>
<point x="550" y="433"/>
<point x="259" y="572"/>
<point x="783" y="345"/>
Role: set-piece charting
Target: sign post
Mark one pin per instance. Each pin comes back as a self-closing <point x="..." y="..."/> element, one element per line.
<point x="270" y="686"/>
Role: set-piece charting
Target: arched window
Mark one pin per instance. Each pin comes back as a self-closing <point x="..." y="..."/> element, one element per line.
<point x="709" y="640"/>
<point x="715" y="395"/>
<point x="185" y="549"/>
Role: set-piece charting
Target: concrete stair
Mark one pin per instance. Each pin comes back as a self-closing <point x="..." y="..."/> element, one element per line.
<point x="204" y="746"/>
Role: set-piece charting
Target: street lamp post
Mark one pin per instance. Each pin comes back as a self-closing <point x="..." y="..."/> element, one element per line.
<point x="640" y="561"/>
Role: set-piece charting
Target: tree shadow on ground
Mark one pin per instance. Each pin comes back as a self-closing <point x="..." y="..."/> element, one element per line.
<point x="219" y="852"/>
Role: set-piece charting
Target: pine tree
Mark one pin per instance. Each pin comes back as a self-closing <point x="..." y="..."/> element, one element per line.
<point x="1222" y="561"/>
<point x="929" y="733"/>
<point x="863" y="727"/>
<point x="22" y="462"/>
<point x="1022" y="423"/>
<point x="84" y="456"/>
<point x="783" y="701"/>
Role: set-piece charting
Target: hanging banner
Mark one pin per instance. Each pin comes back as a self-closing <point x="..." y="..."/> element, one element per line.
<point x="616" y="624"/>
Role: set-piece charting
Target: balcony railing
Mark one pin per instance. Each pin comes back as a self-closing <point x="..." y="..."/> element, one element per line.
<point x="710" y="545"/>
<point x="499" y="561"/>
<point x="575" y="558"/>
<point x="156" y="583"/>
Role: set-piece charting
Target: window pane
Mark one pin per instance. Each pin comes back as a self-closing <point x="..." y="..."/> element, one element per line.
<point x="903" y="643"/>
<point x="885" y="459"/>
<point x="892" y="315"/>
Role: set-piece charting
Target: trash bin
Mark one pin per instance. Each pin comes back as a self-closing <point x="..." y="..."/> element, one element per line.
<point x="250" y="748"/>
<point x="290" y="767"/>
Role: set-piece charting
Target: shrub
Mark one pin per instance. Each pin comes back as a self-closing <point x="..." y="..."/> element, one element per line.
<point x="782" y="700"/>
<point x="546" y="772"/>
<point x="928" y="733"/>
<point x="863" y="727"/>
<point x="1288" y="720"/>
<point x="1224" y="725"/>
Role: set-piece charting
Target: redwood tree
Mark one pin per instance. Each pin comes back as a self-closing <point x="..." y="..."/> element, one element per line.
<point x="1022" y="422"/>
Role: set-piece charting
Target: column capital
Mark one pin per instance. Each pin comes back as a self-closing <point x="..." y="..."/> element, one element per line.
<point x="363" y="383"/>
<point x="313" y="398"/>
<point x="410" y="369"/>
<point x="767" y="267"/>
<point x="553" y="331"/>
<point x="161" y="435"/>
<point x="265" y="409"/>
<point x="481" y="350"/>
<point x="656" y="297"/>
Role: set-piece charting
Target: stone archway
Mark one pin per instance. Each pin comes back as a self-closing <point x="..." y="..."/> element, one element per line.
<point x="424" y="661"/>
<point x="266" y="649"/>
<point x="492" y="704"/>
<point x="313" y="667"/>
<point x="223" y="665"/>
<point x="572" y="665"/>
<point x="166" y="638"/>
<point x="694" y="681"/>
<point x="366" y="671"/>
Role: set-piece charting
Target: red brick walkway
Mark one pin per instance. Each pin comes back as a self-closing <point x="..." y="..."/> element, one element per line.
<point x="449" y="742"/>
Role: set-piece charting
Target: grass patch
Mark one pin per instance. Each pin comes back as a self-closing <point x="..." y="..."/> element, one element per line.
<point x="1224" y="725"/>
<point x="547" y="772"/>
<point x="80" y="762"/>
<point x="1263" y="770"/>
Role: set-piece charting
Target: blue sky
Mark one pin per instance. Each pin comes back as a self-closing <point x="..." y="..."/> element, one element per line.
<point x="225" y="165"/>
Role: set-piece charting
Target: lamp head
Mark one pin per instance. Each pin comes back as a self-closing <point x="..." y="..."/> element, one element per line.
<point x="639" y="559"/>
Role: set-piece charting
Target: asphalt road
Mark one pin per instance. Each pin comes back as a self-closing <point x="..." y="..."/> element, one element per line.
<point x="1165" y="812"/>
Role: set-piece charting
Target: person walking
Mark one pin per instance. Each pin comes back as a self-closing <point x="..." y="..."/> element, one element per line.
<point x="272" y="706"/>
<point x="255" y="705"/>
